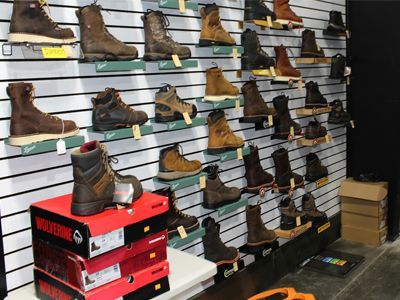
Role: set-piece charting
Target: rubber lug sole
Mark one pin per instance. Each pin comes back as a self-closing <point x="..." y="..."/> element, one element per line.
<point x="223" y="262"/>
<point x="153" y="56"/>
<point x="222" y="149"/>
<point x="167" y="176"/>
<point x="35" y="138"/>
<point x="209" y="43"/>
<point x="15" y="38"/>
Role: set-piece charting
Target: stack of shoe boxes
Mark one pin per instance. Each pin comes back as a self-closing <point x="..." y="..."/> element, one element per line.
<point x="118" y="253"/>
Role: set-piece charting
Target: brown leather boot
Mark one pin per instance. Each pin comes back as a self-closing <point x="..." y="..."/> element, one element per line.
<point x="283" y="121"/>
<point x="290" y="216"/>
<point x="220" y="136"/>
<point x="218" y="88"/>
<point x="257" y="234"/>
<point x="30" y="23"/>
<point x="95" y="180"/>
<point x="285" y="15"/>
<point x="309" y="46"/>
<point x="314" y="169"/>
<point x="212" y="32"/>
<point x="30" y="125"/>
<point x="310" y="209"/>
<point x="284" y="172"/>
<point x="255" y="175"/>
<point x="97" y="43"/>
<point x="255" y="108"/>
<point x="285" y="69"/>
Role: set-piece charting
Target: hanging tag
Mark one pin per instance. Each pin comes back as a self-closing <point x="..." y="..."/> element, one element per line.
<point x="272" y="70"/>
<point x="292" y="183"/>
<point x="352" y="124"/>
<point x="348" y="80"/>
<point x="182" y="232"/>
<point x="235" y="267"/>
<point x="182" y="6"/>
<point x="177" y="61"/>
<point x="270" y="120"/>
<point x="235" y="52"/>
<point x="239" y="153"/>
<point x="347" y="34"/>
<point x="300" y="85"/>
<point x="237" y="104"/>
<point x="202" y="182"/>
<point x="187" y="118"/>
<point x="328" y="138"/>
<point x="292" y="131"/>
<point x="269" y="21"/>
<point x="298" y="221"/>
<point x="136" y="132"/>
<point x="61" y="148"/>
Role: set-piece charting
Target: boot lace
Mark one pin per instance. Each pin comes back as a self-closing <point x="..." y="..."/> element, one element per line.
<point x="181" y="158"/>
<point x="162" y="27"/>
<point x="104" y="25"/>
<point x="176" y="209"/>
<point x="260" y="50"/>
<point x="122" y="103"/>
<point x="32" y="99"/>
<point x="107" y="161"/>
<point x="42" y="4"/>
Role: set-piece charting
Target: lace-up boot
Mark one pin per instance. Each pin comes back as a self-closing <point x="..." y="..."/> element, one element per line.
<point x="290" y="216"/>
<point x="257" y="10"/>
<point x="218" y="88"/>
<point x="254" y="57"/>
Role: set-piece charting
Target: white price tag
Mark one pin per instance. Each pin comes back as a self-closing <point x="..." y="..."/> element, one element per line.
<point x="61" y="147"/>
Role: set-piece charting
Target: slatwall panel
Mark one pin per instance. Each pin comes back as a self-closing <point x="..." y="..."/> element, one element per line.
<point x="64" y="88"/>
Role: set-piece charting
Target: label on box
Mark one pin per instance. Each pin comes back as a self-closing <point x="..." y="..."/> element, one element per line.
<point x="91" y="281"/>
<point x="106" y="242"/>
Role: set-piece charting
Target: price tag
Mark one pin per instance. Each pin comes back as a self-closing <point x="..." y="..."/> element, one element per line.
<point x="292" y="183"/>
<point x="269" y="21"/>
<point x="292" y="131"/>
<point x="348" y="80"/>
<point x="187" y="118"/>
<point x="177" y="61"/>
<point x="270" y="120"/>
<point x="182" y="6"/>
<point x="318" y="47"/>
<point x="300" y="85"/>
<point x="235" y="267"/>
<point x="328" y="138"/>
<point x="347" y="34"/>
<point x="298" y="221"/>
<point x="202" y="182"/>
<point x="235" y="52"/>
<point x="54" y="53"/>
<point x="237" y="104"/>
<point x="68" y="50"/>
<point x="182" y="232"/>
<point x="239" y="153"/>
<point x="136" y="132"/>
<point x="61" y="148"/>
<point x="352" y="124"/>
<point x="272" y="70"/>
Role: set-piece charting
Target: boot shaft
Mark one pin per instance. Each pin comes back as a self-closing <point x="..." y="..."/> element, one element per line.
<point x="21" y="95"/>
<point x="281" y="105"/>
<point x="250" y="41"/>
<point x="282" y="164"/>
<point x="308" y="201"/>
<point x="252" y="96"/>
<point x="90" y="20"/>
<point x="308" y="40"/>
<point x="155" y="24"/>
<point x="253" y="216"/>
<point x="252" y="161"/>
<point x="335" y="17"/>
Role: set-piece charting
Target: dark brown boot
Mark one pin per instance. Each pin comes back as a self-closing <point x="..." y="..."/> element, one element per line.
<point x="255" y="175"/>
<point x="158" y="43"/>
<point x="257" y="234"/>
<point x="310" y="209"/>
<point x="314" y="169"/>
<point x="285" y="70"/>
<point x="309" y="46"/>
<point x="255" y="108"/>
<point x="284" y="172"/>
<point x="28" y="124"/>
<point x="285" y="15"/>
<point x="290" y="216"/>
<point x="283" y="121"/>
<point x="97" y="43"/>
<point x="314" y="130"/>
<point x="30" y="23"/>
<point x="95" y="181"/>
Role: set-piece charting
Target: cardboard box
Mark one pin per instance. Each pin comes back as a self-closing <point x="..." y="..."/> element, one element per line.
<point x="366" y="222"/>
<point x="365" y="236"/>
<point x="91" y="236"/>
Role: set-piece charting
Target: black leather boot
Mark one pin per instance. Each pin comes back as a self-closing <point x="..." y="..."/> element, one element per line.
<point x="314" y="169"/>
<point x="284" y="172"/>
<point x="283" y="120"/>
<point x="254" y="57"/>
<point x="309" y="46"/>
<point x="336" y="22"/>
<point x="257" y="10"/>
<point x="314" y="98"/>
<point x="338" y="67"/>
<point x="338" y="115"/>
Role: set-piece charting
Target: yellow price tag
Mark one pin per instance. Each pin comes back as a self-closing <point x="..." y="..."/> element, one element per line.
<point x="270" y="120"/>
<point x="300" y="85"/>
<point x="54" y="53"/>
<point x="202" y="182"/>
<point x="269" y="21"/>
<point x="352" y="124"/>
<point x="187" y="118"/>
<point x="182" y="6"/>
<point x="298" y="221"/>
<point x="292" y="183"/>
<point x="237" y="104"/>
<point x="182" y="232"/>
<point x="328" y="138"/>
<point x="136" y="132"/>
<point x="348" y="80"/>
<point x="235" y="52"/>
<point x="239" y="153"/>
<point x="292" y="131"/>
<point x="272" y="70"/>
<point x="235" y="267"/>
<point x="177" y="61"/>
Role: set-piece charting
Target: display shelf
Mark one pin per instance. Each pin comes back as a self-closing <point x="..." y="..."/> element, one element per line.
<point x="225" y="49"/>
<point x="170" y="65"/>
<point x="260" y="252"/>
<point x="178" y="242"/>
<point x="115" y="66"/>
<point x="180" y="124"/>
<point x="42" y="51"/>
<point x="312" y="143"/>
<point x="226" y="209"/>
<point x="263" y="73"/>
<point x="230" y="103"/>
<point x="227" y="270"/>
<point x="123" y="133"/>
<point x="289" y="25"/>
<point x="313" y="111"/>
<point x="291" y="234"/>
<point x="182" y="183"/>
<point x="262" y="23"/>
<point x="321" y="182"/>
<point x="49" y="146"/>
<point x="230" y="155"/>
<point x="333" y="33"/>
<point x="174" y="4"/>
<point x="314" y="60"/>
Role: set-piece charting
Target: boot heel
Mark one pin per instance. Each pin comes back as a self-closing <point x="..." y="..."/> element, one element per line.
<point x="206" y="43"/>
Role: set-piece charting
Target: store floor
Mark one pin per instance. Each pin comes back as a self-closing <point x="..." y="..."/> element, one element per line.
<point x="377" y="278"/>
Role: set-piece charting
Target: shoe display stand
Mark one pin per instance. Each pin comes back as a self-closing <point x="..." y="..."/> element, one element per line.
<point x="313" y="111"/>
<point x="332" y="33"/>
<point x="182" y="183"/>
<point x="288" y="81"/>
<point x="227" y="209"/>
<point x="42" y="51"/>
<point x="123" y="133"/>
<point x="312" y="143"/>
<point x="316" y="60"/>
<point x="174" y="4"/>
<point x="222" y="104"/>
<point x="292" y="233"/>
<point x="263" y="73"/>
<point x="170" y="65"/>
<point x="181" y="124"/>
<point x="229" y="50"/>
<point x="117" y="66"/>
<point x="227" y="270"/>
<point x="231" y="155"/>
<point x="261" y="252"/>
<point x="178" y="242"/>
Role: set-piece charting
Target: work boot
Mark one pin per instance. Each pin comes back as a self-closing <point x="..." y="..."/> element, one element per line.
<point x="283" y="65"/>
<point x="176" y="218"/>
<point x="283" y="121"/>
<point x="28" y="124"/>
<point x="285" y="15"/>
<point x="255" y="175"/>
<point x="97" y="43"/>
<point x="220" y="136"/>
<point x="254" y="57"/>
<point x="314" y="130"/>
<point x="335" y="23"/>
<point x="30" y="23"/>
<point x="173" y="165"/>
<point x="257" y="234"/>
<point x="314" y="98"/>
<point x="214" y="248"/>
<point x="110" y="112"/>
<point x="314" y="169"/>
<point x="290" y="216"/>
<point x="212" y="31"/>
<point x="309" y="46"/>
<point x="257" y="10"/>
<point x="338" y="67"/>
<point x="255" y="108"/>
<point x="283" y="172"/>
<point x="338" y="115"/>
<point x="310" y="209"/>
<point x="95" y="180"/>
<point x="216" y="193"/>
<point x="169" y="107"/>
<point x="159" y="44"/>
<point x="218" y="88"/>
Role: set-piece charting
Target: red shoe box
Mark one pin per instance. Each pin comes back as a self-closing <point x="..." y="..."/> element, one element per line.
<point x="91" y="236"/>
<point x="87" y="274"/>
<point x="141" y="285"/>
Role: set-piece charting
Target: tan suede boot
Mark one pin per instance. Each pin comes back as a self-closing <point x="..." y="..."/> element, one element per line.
<point x="218" y="88"/>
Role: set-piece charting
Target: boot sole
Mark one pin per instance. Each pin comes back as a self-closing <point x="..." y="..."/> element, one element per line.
<point x="88" y="209"/>
<point x="103" y="127"/>
<point x="256" y="189"/>
<point x="176" y="175"/>
<point x="190" y="229"/>
<point x="34" y="138"/>
<point x="223" y="262"/>
<point x="92" y="57"/>
<point x="262" y="243"/>
<point x="222" y="149"/>
<point x="153" y="56"/>
<point x="222" y="203"/>
<point x="177" y="116"/>
<point x="312" y="55"/>
<point x="220" y="98"/>
<point x="14" y="38"/>
<point x="208" y="43"/>
<point x="314" y="178"/>
<point x="287" y="22"/>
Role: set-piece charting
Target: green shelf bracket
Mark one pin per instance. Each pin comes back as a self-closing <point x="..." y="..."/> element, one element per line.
<point x="181" y="183"/>
<point x="49" y="146"/>
<point x="180" y="124"/>
<point x="115" y="66"/>
<point x="229" y="155"/>
<point x="169" y="64"/>
<point x="122" y="133"/>
<point x="221" y="104"/>
<point x="224" y="210"/>
<point x="177" y="242"/>
<point x="174" y="4"/>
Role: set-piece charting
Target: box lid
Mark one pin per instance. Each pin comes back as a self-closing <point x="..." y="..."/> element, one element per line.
<point x="373" y="191"/>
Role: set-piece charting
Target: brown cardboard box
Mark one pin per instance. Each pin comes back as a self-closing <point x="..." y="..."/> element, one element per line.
<point x="365" y="222"/>
<point x="365" y="236"/>
<point x="364" y="207"/>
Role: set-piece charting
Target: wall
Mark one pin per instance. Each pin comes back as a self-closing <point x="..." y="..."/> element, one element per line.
<point x="64" y="88"/>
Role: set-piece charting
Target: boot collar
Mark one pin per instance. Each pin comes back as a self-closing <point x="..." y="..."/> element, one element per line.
<point x="212" y="171"/>
<point x="210" y="8"/>
<point x="217" y="115"/>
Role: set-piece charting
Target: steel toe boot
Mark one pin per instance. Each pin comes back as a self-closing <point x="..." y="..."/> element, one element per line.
<point x="216" y="193"/>
<point x="310" y="209"/>
<point x="283" y="172"/>
<point x="220" y="136"/>
<point x="257" y="234"/>
<point x="30" y="23"/>
<point x="309" y="46"/>
<point x="97" y="43"/>
<point x="314" y="130"/>
<point x="285" y="15"/>
<point x="95" y="180"/>
<point x="218" y="88"/>
<point x="335" y="23"/>
<point x="254" y="57"/>
<point x="212" y="31"/>
<point x="283" y="65"/>
<point x="159" y="44"/>
<point x="110" y="112"/>
<point x="214" y="248"/>
<point x="28" y="124"/>
<point x="173" y="165"/>
<point x="314" y="98"/>
<point x="314" y="169"/>
<point x="255" y="175"/>
<point x="255" y="108"/>
<point x="283" y="121"/>
<point x="176" y="218"/>
<point x="290" y="216"/>
<point x="338" y="67"/>
<point x="169" y="107"/>
<point x="257" y="10"/>
<point x="338" y="115"/>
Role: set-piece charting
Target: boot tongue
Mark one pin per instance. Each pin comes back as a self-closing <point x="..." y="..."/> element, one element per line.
<point x="90" y="146"/>
<point x="216" y="116"/>
<point x="210" y="8"/>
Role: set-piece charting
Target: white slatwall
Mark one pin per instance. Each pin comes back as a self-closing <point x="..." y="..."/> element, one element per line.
<point x="65" y="88"/>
